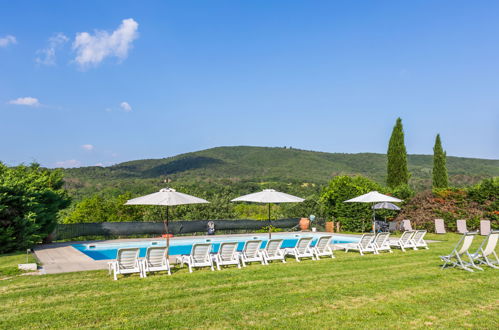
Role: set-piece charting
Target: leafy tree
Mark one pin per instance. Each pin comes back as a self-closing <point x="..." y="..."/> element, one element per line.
<point x="440" y="177"/>
<point x="30" y="198"/>
<point x="397" y="172"/>
<point x="342" y="188"/>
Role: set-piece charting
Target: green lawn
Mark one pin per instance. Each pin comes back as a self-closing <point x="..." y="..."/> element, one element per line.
<point x="389" y="291"/>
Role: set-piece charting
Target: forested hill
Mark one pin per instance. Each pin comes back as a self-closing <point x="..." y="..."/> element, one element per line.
<point x="263" y="164"/>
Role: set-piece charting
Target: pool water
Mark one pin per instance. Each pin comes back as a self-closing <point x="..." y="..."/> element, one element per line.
<point x="178" y="246"/>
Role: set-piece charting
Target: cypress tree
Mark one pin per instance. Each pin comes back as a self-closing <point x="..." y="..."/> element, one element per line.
<point x="397" y="172"/>
<point x="440" y="178"/>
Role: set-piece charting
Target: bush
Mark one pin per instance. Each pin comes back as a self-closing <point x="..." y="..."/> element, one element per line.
<point x="30" y="198"/>
<point x="352" y="216"/>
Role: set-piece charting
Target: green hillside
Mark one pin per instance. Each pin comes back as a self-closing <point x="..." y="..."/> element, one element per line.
<point x="263" y="164"/>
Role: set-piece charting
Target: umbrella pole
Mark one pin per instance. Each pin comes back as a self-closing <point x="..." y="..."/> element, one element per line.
<point x="270" y="233"/>
<point x="374" y="220"/>
<point x="167" y="234"/>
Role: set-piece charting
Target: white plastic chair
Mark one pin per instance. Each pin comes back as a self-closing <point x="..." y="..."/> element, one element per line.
<point x="127" y="262"/>
<point x="487" y="255"/>
<point x="302" y="249"/>
<point x="199" y="257"/>
<point x="227" y="255"/>
<point x="155" y="261"/>
<point x="273" y="251"/>
<point x="406" y="225"/>
<point x="251" y="252"/>
<point x="455" y="258"/>
<point x="461" y="226"/>
<point x="439" y="226"/>
<point x="323" y="248"/>
<point x="418" y="239"/>
<point x="484" y="227"/>
<point x="405" y="241"/>
<point x="364" y="245"/>
<point x="381" y="242"/>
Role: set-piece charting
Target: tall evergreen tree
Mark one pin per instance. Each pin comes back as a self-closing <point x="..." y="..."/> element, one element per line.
<point x="440" y="177"/>
<point x="397" y="172"/>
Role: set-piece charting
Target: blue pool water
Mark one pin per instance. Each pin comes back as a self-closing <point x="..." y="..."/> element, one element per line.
<point x="104" y="251"/>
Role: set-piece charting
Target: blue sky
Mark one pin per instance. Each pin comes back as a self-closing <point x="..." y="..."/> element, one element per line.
<point x="100" y="82"/>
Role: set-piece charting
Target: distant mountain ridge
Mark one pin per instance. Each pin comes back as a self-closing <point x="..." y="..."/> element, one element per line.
<point x="282" y="165"/>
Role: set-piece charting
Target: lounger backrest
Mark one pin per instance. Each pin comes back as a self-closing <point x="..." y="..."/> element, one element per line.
<point x="418" y="235"/>
<point x="303" y="244"/>
<point x="461" y="226"/>
<point x="273" y="246"/>
<point x="200" y="251"/>
<point x="251" y="248"/>
<point x="366" y="240"/>
<point x="381" y="238"/>
<point x="484" y="227"/>
<point x="227" y="250"/>
<point x="155" y="255"/>
<point x="127" y="258"/>
<point x="406" y="236"/>
<point x="406" y="224"/>
<point x="493" y="237"/>
<point x="323" y="242"/>
<point x="439" y="226"/>
<point x="467" y="240"/>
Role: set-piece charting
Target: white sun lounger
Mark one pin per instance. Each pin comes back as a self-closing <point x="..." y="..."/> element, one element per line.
<point x="381" y="242"/>
<point x="251" y="252"/>
<point x="127" y="262"/>
<point x="364" y="245"/>
<point x="405" y="241"/>
<point x="323" y="247"/>
<point x="227" y="255"/>
<point x="273" y="251"/>
<point x="455" y="258"/>
<point x="484" y="227"/>
<point x="302" y="249"/>
<point x="418" y="239"/>
<point x="461" y="226"/>
<point x="406" y="225"/>
<point x="439" y="226"/>
<point x="199" y="257"/>
<point x="486" y="255"/>
<point x="155" y="261"/>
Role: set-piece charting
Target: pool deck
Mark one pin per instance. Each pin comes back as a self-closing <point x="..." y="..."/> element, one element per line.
<point x="64" y="258"/>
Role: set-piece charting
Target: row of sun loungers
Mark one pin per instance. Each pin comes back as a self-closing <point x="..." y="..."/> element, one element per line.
<point x="405" y="225"/>
<point x="370" y="243"/>
<point x="485" y="255"/>
<point x="128" y="261"/>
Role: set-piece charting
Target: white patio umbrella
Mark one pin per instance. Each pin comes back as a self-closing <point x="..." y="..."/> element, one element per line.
<point x="269" y="196"/>
<point x="373" y="197"/>
<point x="386" y="206"/>
<point x="166" y="197"/>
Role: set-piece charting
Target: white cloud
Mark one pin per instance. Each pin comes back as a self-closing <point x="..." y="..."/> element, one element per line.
<point x="47" y="55"/>
<point x="88" y="147"/>
<point x="125" y="106"/>
<point x="29" y="101"/>
<point x="93" y="49"/>
<point x="68" y="163"/>
<point x="7" y="40"/>
<point x="99" y="164"/>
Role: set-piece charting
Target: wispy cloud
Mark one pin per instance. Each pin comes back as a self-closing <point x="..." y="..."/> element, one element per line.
<point x="28" y="101"/>
<point x="47" y="55"/>
<point x="68" y="163"/>
<point x="88" y="147"/>
<point x="125" y="106"/>
<point x="93" y="49"/>
<point x="7" y="40"/>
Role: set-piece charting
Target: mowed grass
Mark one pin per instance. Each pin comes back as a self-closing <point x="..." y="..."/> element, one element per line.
<point x="396" y="290"/>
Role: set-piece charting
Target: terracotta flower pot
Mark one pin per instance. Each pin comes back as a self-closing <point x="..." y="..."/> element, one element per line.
<point x="330" y="226"/>
<point x="304" y="223"/>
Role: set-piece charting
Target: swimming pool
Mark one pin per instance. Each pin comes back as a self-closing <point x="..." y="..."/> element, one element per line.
<point x="105" y="251"/>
